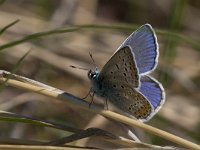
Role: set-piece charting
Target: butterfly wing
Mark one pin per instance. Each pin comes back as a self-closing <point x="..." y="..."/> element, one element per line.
<point x="119" y="78"/>
<point x="153" y="91"/>
<point x="143" y="43"/>
<point x="131" y="102"/>
<point x="121" y="67"/>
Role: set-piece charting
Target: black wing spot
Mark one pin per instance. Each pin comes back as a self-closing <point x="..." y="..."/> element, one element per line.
<point x="125" y="69"/>
<point x="111" y="72"/>
<point x="117" y="66"/>
<point x="125" y="74"/>
<point x="122" y="86"/>
<point x="131" y="74"/>
<point x="114" y="85"/>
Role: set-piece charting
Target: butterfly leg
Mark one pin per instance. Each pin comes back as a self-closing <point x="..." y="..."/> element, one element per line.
<point x="89" y="93"/>
<point x="92" y="95"/>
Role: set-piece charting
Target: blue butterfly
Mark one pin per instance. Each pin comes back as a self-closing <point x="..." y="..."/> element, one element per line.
<point x="125" y="81"/>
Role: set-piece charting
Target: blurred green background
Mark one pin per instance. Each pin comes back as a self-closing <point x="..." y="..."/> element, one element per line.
<point x="176" y="23"/>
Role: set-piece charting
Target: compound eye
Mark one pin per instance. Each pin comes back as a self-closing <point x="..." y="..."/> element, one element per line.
<point x="93" y="75"/>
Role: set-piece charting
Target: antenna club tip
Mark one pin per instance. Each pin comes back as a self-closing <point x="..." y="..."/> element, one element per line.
<point x="72" y="66"/>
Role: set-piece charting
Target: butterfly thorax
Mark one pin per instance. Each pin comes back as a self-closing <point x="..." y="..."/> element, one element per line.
<point x="96" y="85"/>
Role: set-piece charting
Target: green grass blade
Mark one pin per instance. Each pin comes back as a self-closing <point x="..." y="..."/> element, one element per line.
<point x="124" y="27"/>
<point x="37" y="35"/>
<point x="8" y="26"/>
<point x="12" y="117"/>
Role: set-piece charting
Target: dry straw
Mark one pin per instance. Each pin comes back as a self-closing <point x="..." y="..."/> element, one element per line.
<point x="40" y="88"/>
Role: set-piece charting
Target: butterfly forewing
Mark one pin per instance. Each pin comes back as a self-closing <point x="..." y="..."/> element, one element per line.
<point x="120" y="68"/>
<point x="143" y="43"/>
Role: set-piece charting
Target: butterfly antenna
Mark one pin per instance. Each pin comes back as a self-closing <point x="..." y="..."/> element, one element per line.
<point x="79" y="67"/>
<point x="92" y="59"/>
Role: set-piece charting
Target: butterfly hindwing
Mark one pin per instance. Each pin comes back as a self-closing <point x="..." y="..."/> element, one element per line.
<point x="153" y="91"/>
<point x="143" y="43"/>
<point x="129" y="100"/>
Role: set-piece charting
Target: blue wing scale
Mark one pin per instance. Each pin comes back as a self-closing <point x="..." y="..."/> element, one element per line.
<point x="153" y="91"/>
<point x="143" y="43"/>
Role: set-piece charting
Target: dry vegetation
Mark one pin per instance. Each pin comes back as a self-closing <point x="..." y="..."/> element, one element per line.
<point x="98" y="26"/>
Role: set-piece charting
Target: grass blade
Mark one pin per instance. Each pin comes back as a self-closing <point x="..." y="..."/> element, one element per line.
<point x="8" y="26"/>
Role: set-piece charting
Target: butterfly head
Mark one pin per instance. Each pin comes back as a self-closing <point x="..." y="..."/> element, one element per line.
<point x="93" y="74"/>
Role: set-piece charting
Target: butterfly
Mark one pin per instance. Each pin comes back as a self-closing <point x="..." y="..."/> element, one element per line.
<point x="125" y="81"/>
